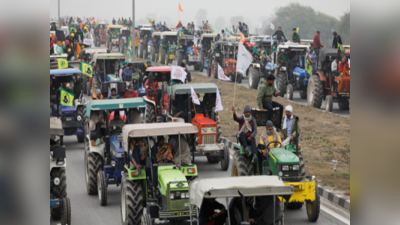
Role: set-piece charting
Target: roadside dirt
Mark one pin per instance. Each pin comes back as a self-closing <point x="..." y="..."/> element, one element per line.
<point x="324" y="136"/>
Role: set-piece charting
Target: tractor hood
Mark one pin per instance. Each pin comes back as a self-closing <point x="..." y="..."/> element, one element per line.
<point x="66" y="109"/>
<point x="203" y="121"/>
<point x="283" y="156"/>
<point x="167" y="174"/>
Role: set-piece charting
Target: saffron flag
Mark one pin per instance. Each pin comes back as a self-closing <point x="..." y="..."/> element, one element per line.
<point x="178" y="73"/>
<point x="218" y="102"/>
<point x="195" y="99"/>
<point x="244" y="59"/>
<point x="86" y="69"/>
<point x="62" y="63"/>
<point x="66" y="98"/>
<point x="221" y="74"/>
<point x="180" y="7"/>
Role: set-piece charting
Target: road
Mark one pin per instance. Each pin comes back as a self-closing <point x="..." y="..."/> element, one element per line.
<point x="87" y="210"/>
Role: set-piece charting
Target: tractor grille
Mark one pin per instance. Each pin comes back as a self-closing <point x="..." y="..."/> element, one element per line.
<point x="290" y="174"/>
<point x="208" y="139"/>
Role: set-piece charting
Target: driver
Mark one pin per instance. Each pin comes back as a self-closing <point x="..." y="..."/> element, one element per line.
<point x="117" y="121"/>
<point x="164" y="153"/>
<point x="268" y="136"/>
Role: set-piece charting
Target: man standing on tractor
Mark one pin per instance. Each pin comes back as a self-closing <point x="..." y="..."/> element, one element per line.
<point x="179" y="25"/>
<point x="69" y="50"/>
<point x="245" y="30"/>
<point x="317" y="44"/>
<point x="247" y="130"/>
<point x="97" y="95"/>
<point x="130" y="93"/>
<point x="336" y="39"/>
<point x="268" y="136"/>
<point x="264" y="97"/>
<point x="113" y="21"/>
<point x="279" y="34"/>
<point x="79" y="35"/>
<point x="296" y="36"/>
<point x="240" y="27"/>
<point x="234" y="29"/>
<point x="289" y="126"/>
<point x="134" y="154"/>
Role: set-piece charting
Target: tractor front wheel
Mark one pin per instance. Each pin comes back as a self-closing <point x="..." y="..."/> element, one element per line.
<point x="295" y="205"/>
<point x="179" y="58"/>
<point x="329" y="103"/>
<point x="289" y="92"/>
<point x="314" y="92"/>
<point x="241" y="166"/>
<point x="303" y="94"/>
<point x="282" y="84"/>
<point x="66" y="216"/>
<point x="131" y="202"/>
<point x="344" y="104"/>
<point x="58" y="191"/>
<point x="313" y="208"/>
<point x="254" y="78"/>
<point x="93" y="165"/>
<point x="201" y="66"/>
<point x="215" y="69"/>
<point x="150" y="114"/>
<point x="102" y="188"/>
<point x="225" y="160"/>
<point x="239" y="78"/>
<point x="213" y="159"/>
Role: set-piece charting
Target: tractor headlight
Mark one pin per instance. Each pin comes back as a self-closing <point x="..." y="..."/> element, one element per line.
<point x="113" y="163"/>
<point x="296" y="167"/>
<point x="280" y="173"/>
<point x="172" y="196"/>
<point x="285" y="168"/>
<point x="79" y="118"/>
<point x="56" y="181"/>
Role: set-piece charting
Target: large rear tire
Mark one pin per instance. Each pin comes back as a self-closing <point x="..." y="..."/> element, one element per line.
<point x="150" y="114"/>
<point x="241" y="166"/>
<point x="344" y="104"/>
<point x="282" y="84"/>
<point x="313" y="208"/>
<point x="58" y="191"/>
<point x="215" y="69"/>
<point x="102" y="188"/>
<point x="254" y="78"/>
<point x="225" y="160"/>
<point x="93" y="165"/>
<point x="131" y="202"/>
<point x="314" y="92"/>
<point x="66" y="216"/>
<point x="289" y="92"/>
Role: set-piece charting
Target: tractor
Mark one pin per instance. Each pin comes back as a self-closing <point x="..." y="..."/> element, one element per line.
<point x="287" y="163"/>
<point x="104" y="154"/>
<point x="225" y="54"/>
<point x="125" y="33"/>
<point x="115" y="34"/>
<point x="186" y="51"/>
<point x="71" y="116"/>
<point x="160" y="188"/>
<point x="60" y="206"/>
<point x="206" y="42"/>
<point x="101" y="38"/>
<point x="298" y="78"/>
<point x="145" y="37"/>
<point x="155" y="47"/>
<point x="168" y="45"/>
<point x="325" y="84"/>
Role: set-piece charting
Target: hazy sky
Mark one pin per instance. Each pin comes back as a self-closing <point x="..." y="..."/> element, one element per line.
<point x="253" y="11"/>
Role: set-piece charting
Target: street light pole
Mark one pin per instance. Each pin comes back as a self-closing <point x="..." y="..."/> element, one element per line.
<point x="59" y="19"/>
<point x="133" y="32"/>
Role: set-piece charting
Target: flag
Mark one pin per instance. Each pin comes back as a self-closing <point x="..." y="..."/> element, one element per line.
<point x="150" y="20"/>
<point x="241" y="38"/>
<point x="244" y="59"/>
<point x="272" y="27"/>
<point x="86" y="69"/>
<point x="62" y="63"/>
<point x="221" y="74"/>
<point x="195" y="49"/>
<point x="66" y="98"/>
<point x="218" y="102"/>
<point x="58" y="49"/>
<point x="78" y="48"/>
<point x="180" y="7"/>
<point x="309" y="68"/>
<point x="228" y="31"/>
<point x="195" y="99"/>
<point x="179" y="33"/>
<point x="177" y="73"/>
<point x="297" y="30"/>
<point x="258" y="25"/>
<point x="341" y="50"/>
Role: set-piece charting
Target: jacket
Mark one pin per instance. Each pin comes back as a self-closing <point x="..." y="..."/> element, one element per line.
<point x="265" y="93"/>
<point x="284" y="131"/>
<point x="317" y="42"/>
<point x="296" y="38"/>
<point x="335" y="41"/>
<point x="279" y="34"/>
<point x="252" y="123"/>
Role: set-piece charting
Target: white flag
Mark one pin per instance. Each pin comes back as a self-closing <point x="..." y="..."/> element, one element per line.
<point x="221" y="74"/>
<point x="195" y="99"/>
<point x="218" y="102"/>
<point x="244" y="59"/>
<point x="272" y="27"/>
<point x="259" y="25"/>
<point x="177" y="73"/>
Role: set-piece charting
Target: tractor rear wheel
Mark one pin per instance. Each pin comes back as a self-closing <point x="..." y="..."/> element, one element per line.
<point x="303" y="94"/>
<point x="314" y="92"/>
<point x="241" y="166"/>
<point x="282" y="84"/>
<point x="344" y="104"/>
<point x="58" y="191"/>
<point x="254" y="78"/>
<point x="150" y="114"/>
<point x="225" y="160"/>
<point x="66" y="216"/>
<point x="131" y="202"/>
<point x="93" y="164"/>
<point x="215" y="69"/>
<point x="289" y="92"/>
<point x="313" y="208"/>
<point x="102" y="188"/>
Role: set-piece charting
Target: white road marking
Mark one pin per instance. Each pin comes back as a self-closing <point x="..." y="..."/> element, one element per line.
<point x="337" y="216"/>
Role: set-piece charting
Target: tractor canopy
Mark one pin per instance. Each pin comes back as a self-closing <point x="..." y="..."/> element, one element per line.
<point x="56" y="126"/>
<point x="225" y="187"/>
<point x="208" y="36"/>
<point x="198" y="88"/>
<point x="98" y="56"/>
<point x="160" y="73"/>
<point x="330" y="52"/>
<point x="114" y="104"/>
<point x="64" y="72"/>
<point x="169" y="34"/>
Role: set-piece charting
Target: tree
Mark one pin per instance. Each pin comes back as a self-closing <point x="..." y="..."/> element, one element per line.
<point x="201" y="15"/>
<point x="343" y="28"/>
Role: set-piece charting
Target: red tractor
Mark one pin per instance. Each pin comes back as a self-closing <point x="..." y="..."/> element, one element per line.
<point x="225" y="55"/>
<point x="327" y="84"/>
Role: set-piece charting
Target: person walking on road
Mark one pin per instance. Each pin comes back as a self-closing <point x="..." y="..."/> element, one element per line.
<point x="317" y="44"/>
<point x="279" y="34"/>
<point x="289" y="126"/>
<point x="264" y="98"/>
<point x="296" y="36"/>
<point x="336" y="39"/>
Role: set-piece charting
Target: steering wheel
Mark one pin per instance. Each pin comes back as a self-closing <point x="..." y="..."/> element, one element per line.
<point x="275" y="142"/>
<point x="116" y="131"/>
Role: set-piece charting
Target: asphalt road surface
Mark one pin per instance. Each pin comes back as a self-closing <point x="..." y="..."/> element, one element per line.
<point x="87" y="210"/>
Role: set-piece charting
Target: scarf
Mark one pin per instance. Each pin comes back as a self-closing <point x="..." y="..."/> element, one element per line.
<point x="265" y="135"/>
<point x="246" y="126"/>
<point x="284" y="122"/>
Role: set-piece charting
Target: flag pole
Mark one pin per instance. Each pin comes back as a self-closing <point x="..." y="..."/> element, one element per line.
<point x="234" y="90"/>
<point x="195" y="113"/>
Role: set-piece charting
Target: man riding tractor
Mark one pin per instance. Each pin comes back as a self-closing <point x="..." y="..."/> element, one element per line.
<point x="186" y="51"/>
<point x="145" y="37"/>
<point x="225" y="54"/>
<point x="168" y="46"/>
<point x="205" y="46"/>
<point x="114" y="33"/>
<point x="155" y="47"/>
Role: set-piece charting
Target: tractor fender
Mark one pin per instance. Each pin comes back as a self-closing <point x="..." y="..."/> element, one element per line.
<point x="98" y="149"/>
<point x="53" y="164"/>
<point x="148" y="100"/>
<point x="175" y="119"/>
<point x="321" y="75"/>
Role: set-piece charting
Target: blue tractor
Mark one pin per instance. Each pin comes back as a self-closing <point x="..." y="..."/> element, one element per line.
<point x="60" y="206"/>
<point x="71" y="116"/>
<point x="186" y="51"/>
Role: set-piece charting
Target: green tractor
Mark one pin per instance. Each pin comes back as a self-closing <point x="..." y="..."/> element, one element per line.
<point x="286" y="163"/>
<point x="169" y="41"/>
<point x="163" y="189"/>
